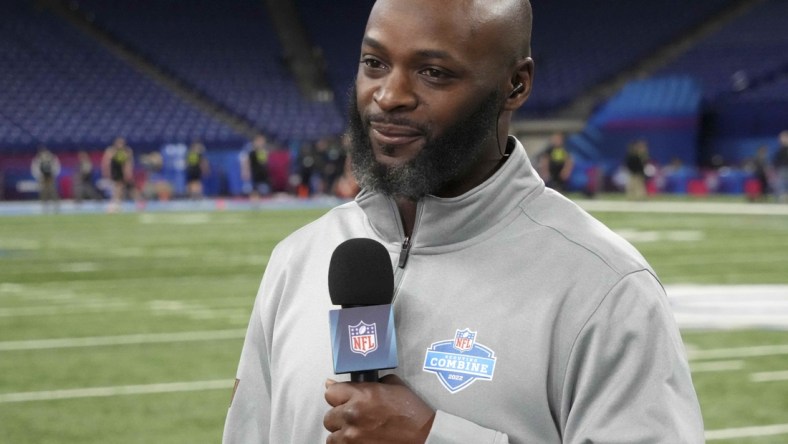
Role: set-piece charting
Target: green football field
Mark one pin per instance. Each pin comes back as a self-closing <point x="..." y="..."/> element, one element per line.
<point x="127" y="328"/>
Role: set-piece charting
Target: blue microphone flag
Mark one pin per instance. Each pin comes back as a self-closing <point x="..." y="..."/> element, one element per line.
<point x="363" y="338"/>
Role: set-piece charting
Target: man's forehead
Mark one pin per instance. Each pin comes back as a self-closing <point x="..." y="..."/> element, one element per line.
<point x="431" y="25"/>
<point x="468" y="25"/>
<point x="410" y="13"/>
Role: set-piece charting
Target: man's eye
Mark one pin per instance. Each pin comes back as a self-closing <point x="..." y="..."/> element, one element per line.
<point x="372" y="63"/>
<point x="434" y="73"/>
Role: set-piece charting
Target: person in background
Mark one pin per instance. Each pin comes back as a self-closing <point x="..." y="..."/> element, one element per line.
<point x="759" y="165"/>
<point x="556" y="163"/>
<point x="196" y="168"/>
<point x="780" y="165"/>
<point x="308" y="170"/>
<point x="346" y="186"/>
<point x="84" y="188"/>
<point x="332" y="161"/>
<point x="636" y="161"/>
<point x="155" y="185"/>
<point x="520" y="318"/>
<point x="117" y="165"/>
<point x="45" y="168"/>
<point x="254" y="167"/>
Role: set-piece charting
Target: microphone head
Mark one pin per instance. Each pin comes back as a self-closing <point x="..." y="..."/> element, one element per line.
<point x="360" y="273"/>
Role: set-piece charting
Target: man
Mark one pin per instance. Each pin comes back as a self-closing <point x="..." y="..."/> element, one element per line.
<point x="556" y="163"/>
<point x="117" y="165"/>
<point x="45" y="168"/>
<point x="83" y="179"/>
<point x="578" y="329"/>
<point x="780" y="165"/>
<point x="635" y="162"/>
<point x="254" y="167"/>
<point x="196" y="167"/>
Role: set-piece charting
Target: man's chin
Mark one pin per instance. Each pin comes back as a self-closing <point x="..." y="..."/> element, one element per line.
<point x="391" y="162"/>
<point x="395" y="156"/>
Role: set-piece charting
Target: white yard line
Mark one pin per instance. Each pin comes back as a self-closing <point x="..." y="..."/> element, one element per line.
<point x="738" y="352"/>
<point x="49" y="310"/>
<point x="99" y="341"/>
<point x="94" y="392"/>
<point x="769" y="376"/>
<point x="729" y="306"/>
<point x="77" y="306"/>
<point x="731" y="321"/>
<point x="766" y="292"/>
<point x="747" y="432"/>
<point x="717" y="366"/>
<point x="684" y="207"/>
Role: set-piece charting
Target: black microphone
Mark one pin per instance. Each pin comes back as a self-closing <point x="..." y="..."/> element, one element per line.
<point x="361" y="280"/>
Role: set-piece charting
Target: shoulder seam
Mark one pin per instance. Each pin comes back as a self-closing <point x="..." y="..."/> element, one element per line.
<point x="579" y="245"/>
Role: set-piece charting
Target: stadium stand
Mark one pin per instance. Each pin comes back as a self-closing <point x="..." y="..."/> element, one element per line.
<point x="573" y="52"/>
<point x="737" y="102"/>
<point x="743" y="54"/>
<point x="742" y="70"/>
<point x="340" y="49"/>
<point x="62" y="89"/>
<point x="664" y="110"/>
<point x="227" y="51"/>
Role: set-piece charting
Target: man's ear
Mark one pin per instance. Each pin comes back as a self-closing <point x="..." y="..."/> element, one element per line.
<point x="522" y="80"/>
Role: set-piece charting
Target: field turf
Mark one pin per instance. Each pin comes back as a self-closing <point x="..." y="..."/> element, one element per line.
<point x="127" y="328"/>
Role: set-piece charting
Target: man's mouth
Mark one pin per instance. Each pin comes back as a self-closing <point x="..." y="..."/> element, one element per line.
<point x="391" y="134"/>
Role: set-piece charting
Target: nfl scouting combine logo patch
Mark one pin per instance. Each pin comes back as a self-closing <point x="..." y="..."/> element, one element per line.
<point x="460" y="361"/>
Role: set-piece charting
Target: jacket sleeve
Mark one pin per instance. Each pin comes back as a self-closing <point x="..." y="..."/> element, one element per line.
<point x="450" y="429"/>
<point x="627" y="378"/>
<point x="248" y="419"/>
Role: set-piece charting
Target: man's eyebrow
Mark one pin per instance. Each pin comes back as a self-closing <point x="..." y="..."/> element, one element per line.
<point x="369" y="41"/>
<point x="423" y="53"/>
<point x="434" y="54"/>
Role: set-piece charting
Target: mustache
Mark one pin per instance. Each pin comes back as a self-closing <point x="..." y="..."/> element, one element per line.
<point x="388" y="119"/>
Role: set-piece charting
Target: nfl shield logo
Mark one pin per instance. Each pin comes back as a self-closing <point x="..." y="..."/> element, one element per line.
<point x="363" y="338"/>
<point x="464" y="340"/>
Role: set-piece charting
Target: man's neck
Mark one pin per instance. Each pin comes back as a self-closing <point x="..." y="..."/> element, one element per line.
<point x="407" y="214"/>
<point x="484" y="170"/>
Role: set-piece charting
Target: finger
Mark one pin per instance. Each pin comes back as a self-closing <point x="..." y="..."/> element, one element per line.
<point x="338" y="393"/>
<point x="330" y="382"/>
<point x="332" y="420"/>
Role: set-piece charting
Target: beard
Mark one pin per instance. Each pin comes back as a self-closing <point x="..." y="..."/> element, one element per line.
<point x="444" y="159"/>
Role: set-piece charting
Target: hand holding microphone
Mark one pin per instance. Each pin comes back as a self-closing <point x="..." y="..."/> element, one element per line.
<point x="376" y="412"/>
<point x="361" y="280"/>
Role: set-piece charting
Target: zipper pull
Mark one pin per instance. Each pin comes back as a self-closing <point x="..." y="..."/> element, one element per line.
<point x="403" y="254"/>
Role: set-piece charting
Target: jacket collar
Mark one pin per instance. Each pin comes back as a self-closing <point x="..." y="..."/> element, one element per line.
<point x="447" y="221"/>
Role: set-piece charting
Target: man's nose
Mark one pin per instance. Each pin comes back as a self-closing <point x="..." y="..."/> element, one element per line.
<point x="396" y="92"/>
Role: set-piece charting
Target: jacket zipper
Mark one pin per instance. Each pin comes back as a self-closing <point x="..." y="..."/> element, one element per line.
<point x="404" y="252"/>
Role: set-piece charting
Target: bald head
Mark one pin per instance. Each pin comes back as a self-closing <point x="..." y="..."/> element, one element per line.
<point x="511" y="18"/>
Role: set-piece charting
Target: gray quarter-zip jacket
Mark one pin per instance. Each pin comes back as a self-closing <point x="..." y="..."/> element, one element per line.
<point x="520" y="319"/>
